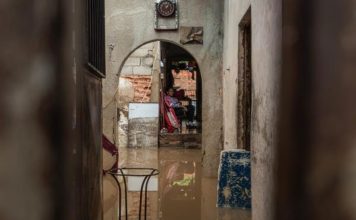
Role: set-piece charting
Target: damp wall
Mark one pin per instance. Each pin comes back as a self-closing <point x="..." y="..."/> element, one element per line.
<point x="130" y="24"/>
<point x="266" y="28"/>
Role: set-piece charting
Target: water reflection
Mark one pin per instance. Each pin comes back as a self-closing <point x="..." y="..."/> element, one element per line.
<point x="179" y="189"/>
<point x="182" y="191"/>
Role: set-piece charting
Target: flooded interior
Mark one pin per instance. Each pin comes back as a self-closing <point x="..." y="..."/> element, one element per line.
<point x="180" y="191"/>
<point x="167" y="78"/>
<point x="148" y="114"/>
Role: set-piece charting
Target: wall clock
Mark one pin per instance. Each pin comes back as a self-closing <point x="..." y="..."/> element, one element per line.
<point x="166" y="15"/>
<point x="166" y="8"/>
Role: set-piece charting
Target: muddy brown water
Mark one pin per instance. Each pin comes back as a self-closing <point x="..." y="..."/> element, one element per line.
<point x="180" y="191"/>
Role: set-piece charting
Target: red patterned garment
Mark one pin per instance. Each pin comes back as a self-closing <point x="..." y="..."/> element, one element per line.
<point x="172" y="122"/>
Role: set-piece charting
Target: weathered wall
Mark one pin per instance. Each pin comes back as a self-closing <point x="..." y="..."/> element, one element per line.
<point x="129" y="24"/>
<point x="140" y="62"/>
<point x="138" y="82"/>
<point x="266" y="69"/>
<point x="89" y="144"/>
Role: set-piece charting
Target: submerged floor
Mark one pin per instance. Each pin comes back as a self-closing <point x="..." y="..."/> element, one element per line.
<point x="180" y="191"/>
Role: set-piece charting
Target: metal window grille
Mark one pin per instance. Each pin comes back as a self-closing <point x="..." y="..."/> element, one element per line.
<point x="96" y="36"/>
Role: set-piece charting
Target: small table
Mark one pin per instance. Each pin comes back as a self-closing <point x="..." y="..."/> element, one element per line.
<point x="147" y="173"/>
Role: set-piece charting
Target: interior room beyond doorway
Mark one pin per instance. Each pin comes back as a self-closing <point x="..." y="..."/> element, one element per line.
<point x="159" y="98"/>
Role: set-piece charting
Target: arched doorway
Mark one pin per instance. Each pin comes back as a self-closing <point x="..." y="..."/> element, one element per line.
<point x="145" y="76"/>
<point x="144" y="137"/>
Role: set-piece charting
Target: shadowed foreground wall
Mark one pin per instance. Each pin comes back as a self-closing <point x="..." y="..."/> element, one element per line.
<point x="317" y="151"/>
<point x="35" y="111"/>
<point x="44" y="173"/>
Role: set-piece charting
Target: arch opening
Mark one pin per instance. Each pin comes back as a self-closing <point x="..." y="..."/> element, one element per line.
<point x="146" y="75"/>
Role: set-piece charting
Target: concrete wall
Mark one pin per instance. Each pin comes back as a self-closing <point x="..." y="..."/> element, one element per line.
<point x="129" y="24"/>
<point x="140" y="62"/>
<point x="266" y="70"/>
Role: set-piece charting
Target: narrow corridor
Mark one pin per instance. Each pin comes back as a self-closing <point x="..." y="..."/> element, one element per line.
<point x="180" y="191"/>
<point x="277" y="79"/>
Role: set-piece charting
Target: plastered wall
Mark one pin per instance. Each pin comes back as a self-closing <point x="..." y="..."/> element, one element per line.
<point x="130" y="24"/>
<point x="266" y="69"/>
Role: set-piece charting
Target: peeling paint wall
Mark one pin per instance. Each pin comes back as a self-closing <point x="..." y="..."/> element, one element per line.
<point x="266" y="69"/>
<point x="139" y="83"/>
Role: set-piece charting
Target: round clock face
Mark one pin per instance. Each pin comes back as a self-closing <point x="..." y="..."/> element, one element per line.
<point x="166" y="8"/>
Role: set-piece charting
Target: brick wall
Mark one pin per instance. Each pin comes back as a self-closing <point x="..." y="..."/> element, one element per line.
<point x="186" y="80"/>
<point x="142" y="86"/>
<point x="139" y="82"/>
<point x="139" y="68"/>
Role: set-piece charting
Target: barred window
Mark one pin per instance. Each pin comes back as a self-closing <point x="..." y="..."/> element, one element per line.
<point x="96" y="36"/>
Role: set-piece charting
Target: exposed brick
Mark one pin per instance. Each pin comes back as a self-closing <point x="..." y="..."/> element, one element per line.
<point x="142" y="87"/>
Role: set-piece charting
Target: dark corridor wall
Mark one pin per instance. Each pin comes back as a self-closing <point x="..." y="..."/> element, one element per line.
<point x="317" y="150"/>
<point x="36" y="111"/>
<point x="44" y="174"/>
<point x="89" y="138"/>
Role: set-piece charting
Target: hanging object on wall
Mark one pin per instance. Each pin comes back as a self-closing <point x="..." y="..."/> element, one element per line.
<point x="143" y="125"/>
<point x="166" y="15"/>
<point x="191" y="35"/>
